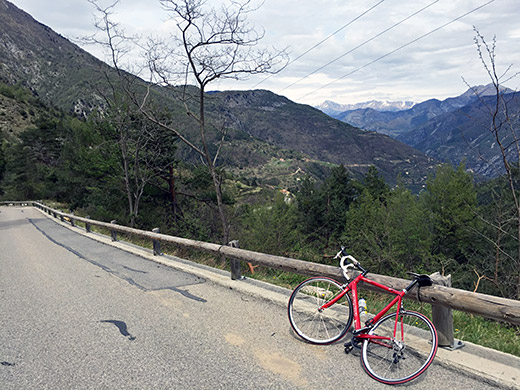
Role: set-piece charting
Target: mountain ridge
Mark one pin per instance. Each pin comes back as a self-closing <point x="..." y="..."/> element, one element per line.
<point x="422" y="126"/>
<point x="332" y="108"/>
<point x="464" y="135"/>
<point x="26" y="41"/>
<point x="64" y="75"/>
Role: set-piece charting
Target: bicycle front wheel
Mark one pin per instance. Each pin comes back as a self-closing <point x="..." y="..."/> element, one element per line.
<point x="309" y="321"/>
<point x="398" y="358"/>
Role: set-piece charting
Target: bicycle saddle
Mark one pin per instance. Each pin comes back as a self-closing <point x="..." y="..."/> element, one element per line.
<point x="423" y="280"/>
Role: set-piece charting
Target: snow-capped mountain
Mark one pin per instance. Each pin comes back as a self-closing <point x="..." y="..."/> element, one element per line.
<point x="332" y="108"/>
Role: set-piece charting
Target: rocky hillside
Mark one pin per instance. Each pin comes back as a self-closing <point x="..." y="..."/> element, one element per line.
<point x="278" y="121"/>
<point x="52" y="67"/>
<point x="15" y="115"/>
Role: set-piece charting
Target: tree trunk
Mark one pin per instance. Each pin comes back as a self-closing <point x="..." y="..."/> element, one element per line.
<point x="518" y="254"/>
<point x="211" y="167"/>
<point x="122" y="145"/>
<point x="171" y="184"/>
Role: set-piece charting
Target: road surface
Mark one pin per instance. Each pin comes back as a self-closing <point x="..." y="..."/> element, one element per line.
<point x="77" y="314"/>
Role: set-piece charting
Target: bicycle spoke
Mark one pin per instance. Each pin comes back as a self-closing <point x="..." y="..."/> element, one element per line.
<point x="315" y="325"/>
<point x="409" y="354"/>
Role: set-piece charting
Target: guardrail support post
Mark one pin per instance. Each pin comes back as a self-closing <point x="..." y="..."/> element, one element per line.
<point x="442" y="317"/>
<point x="156" y="244"/>
<point x="113" y="233"/>
<point x="88" y="227"/>
<point x="236" y="273"/>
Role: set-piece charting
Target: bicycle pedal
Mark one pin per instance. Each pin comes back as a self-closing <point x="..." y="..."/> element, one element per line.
<point x="348" y="347"/>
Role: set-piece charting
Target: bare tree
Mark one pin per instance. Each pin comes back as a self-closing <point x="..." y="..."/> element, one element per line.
<point x="145" y="150"/>
<point x="209" y="45"/>
<point x="505" y="131"/>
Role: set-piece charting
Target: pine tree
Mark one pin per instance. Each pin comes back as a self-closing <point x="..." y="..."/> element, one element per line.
<point x="450" y="201"/>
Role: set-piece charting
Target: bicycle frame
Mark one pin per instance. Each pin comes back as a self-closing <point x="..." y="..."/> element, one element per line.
<point x="383" y="340"/>
<point x="352" y="286"/>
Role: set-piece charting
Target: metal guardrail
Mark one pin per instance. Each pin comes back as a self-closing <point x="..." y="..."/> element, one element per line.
<point x="488" y="306"/>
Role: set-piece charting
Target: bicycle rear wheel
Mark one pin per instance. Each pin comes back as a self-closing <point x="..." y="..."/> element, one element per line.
<point x="314" y="325"/>
<point x="403" y="358"/>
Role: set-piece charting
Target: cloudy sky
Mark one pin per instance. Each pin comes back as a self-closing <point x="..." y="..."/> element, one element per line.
<point x="361" y="49"/>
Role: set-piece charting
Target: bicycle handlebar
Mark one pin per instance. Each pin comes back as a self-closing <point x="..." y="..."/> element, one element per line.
<point x="421" y="279"/>
<point x="344" y="256"/>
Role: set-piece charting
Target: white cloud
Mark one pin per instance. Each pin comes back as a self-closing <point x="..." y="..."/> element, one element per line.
<point x="430" y="67"/>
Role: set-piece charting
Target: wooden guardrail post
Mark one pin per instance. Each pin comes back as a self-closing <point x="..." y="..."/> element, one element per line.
<point x="113" y="233"/>
<point x="156" y="244"/>
<point x="236" y="273"/>
<point x="442" y="316"/>
<point x="88" y="226"/>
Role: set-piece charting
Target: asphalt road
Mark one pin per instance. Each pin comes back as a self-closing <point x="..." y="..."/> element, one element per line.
<point x="77" y="314"/>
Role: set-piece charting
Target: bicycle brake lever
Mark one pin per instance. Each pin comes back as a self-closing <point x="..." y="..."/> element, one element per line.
<point x="345" y="269"/>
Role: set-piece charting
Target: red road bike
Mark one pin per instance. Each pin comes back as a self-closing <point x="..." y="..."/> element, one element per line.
<point x="395" y="348"/>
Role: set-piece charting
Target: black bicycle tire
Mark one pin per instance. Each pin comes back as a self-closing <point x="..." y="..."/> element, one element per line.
<point x="411" y="376"/>
<point x="297" y="327"/>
